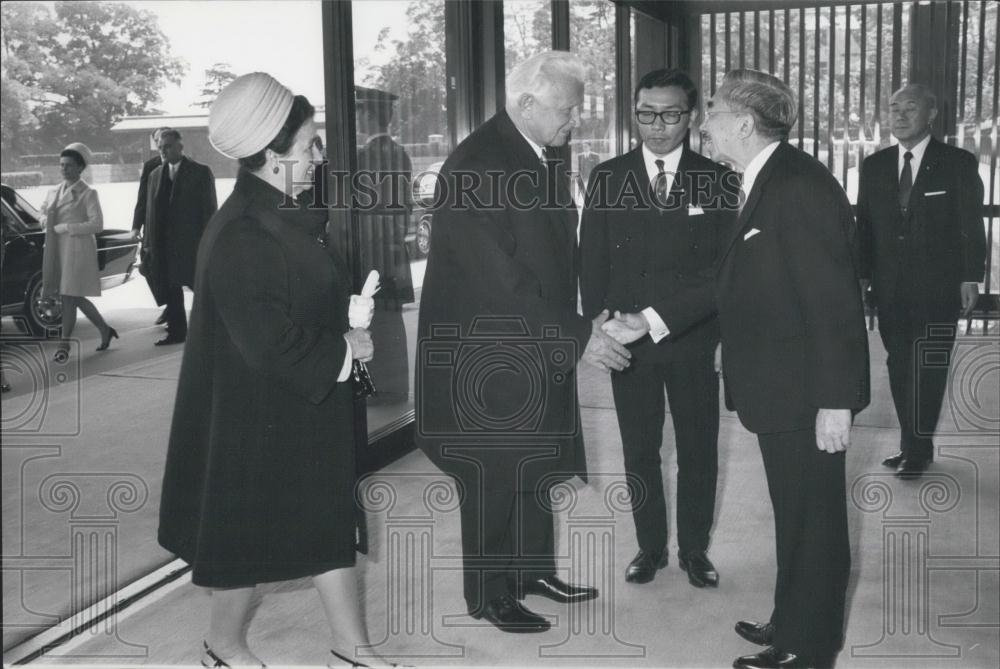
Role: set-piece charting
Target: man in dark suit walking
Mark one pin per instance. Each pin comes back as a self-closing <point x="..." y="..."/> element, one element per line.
<point x="139" y="214"/>
<point x="499" y="338"/>
<point x="654" y="223"/>
<point x="180" y="202"/>
<point x="923" y="245"/>
<point x="795" y="356"/>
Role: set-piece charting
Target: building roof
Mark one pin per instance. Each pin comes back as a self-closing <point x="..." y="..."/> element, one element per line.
<point x="195" y="119"/>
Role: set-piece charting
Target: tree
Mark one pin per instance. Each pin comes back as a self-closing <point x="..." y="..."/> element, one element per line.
<point x="71" y="71"/>
<point x="217" y="77"/>
<point x="416" y="73"/>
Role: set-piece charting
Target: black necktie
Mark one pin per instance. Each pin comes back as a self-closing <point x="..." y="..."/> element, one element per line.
<point x="661" y="185"/>
<point x="905" y="182"/>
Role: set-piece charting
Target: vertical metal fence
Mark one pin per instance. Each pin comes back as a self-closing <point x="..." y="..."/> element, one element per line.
<point x="844" y="61"/>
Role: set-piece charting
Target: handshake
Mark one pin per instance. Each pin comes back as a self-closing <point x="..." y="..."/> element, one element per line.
<point x="606" y="348"/>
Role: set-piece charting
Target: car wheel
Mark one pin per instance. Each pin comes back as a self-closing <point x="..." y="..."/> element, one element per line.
<point x="424" y="236"/>
<point x="43" y="316"/>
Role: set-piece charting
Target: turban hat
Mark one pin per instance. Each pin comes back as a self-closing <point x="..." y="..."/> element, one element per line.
<point x="248" y="114"/>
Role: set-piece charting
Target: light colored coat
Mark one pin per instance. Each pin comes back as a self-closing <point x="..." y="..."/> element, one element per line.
<point x="69" y="264"/>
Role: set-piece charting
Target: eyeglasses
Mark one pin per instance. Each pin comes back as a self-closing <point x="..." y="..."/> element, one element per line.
<point x="671" y="117"/>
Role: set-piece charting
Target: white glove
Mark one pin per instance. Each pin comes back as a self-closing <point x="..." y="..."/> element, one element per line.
<point x="361" y="311"/>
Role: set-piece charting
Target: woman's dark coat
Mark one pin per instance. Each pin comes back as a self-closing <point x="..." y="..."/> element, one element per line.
<point x="260" y="468"/>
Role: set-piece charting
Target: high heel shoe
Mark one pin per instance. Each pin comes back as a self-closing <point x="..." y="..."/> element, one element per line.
<point x="210" y="659"/>
<point x="213" y="661"/>
<point x="344" y="658"/>
<point x="110" y="334"/>
<point x="352" y="663"/>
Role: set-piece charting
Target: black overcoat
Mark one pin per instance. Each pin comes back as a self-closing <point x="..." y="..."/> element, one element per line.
<point x="499" y="333"/>
<point x="260" y="468"/>
<point x="175" y="218"/>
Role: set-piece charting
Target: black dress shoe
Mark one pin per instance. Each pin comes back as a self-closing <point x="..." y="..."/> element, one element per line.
<point x="892" y="462"/>
<point x="642" y="568"/>
<point x="700" y="570"/>
<point x="911" y="468"/>
<point x="761" y="634"/>
<point x="771" y="658"/>
<point x="509" y="616"/>
<point x="557" y="590"/>
<point x="169" y="340"/>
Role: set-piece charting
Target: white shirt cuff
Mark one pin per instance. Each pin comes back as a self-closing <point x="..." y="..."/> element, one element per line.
<point x="657" y="328"/>
<point x="345" y="371"/>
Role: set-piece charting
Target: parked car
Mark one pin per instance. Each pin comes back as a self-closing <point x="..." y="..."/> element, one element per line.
<point x="23" y="241"/>
<point x="419" y="235"/>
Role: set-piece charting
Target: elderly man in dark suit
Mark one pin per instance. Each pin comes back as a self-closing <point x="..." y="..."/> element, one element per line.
<point x="499" y="339"/>
<point x="179" y="204"/>
<point x="795" y="356"/>
<point x="637" y="252"/>
<point x="139" y="214"/>
<point x="920" y="215"/>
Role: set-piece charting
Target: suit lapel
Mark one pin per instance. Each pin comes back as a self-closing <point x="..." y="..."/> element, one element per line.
<point x="758" y="187"/>
<point x="562" y="221"/>
<point x="928" y="166"/>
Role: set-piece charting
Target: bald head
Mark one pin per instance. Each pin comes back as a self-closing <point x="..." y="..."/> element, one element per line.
<point x="912" y="110"/>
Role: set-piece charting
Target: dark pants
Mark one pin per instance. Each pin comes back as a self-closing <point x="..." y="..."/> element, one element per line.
<point x="813" y="549"/>
<point x="176" y="316"/>
<point x="507" y="529"/>
<point x="919" y="355"/>
<point x="693" y="391"/>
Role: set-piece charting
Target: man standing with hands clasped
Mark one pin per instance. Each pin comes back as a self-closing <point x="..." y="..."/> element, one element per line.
<point x="638" y="251"/>
<point x="920" y="215"/>
<point x="795" y="356"/>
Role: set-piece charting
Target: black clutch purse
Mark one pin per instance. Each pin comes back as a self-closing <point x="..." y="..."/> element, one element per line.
<point x="362" y="381"/>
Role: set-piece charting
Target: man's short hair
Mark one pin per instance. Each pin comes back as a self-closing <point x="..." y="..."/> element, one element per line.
<point x="767" y="98"/>
<point x="158" y="131"/>
<point x="923" y="90"/>
<point x="536" y="75"/>
<point x="668" y="77"/>
<point x="170" y="132"/>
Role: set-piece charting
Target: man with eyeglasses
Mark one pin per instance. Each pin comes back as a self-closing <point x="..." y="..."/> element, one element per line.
<point x="796" y="358"/>
<point x="653" y="226"/>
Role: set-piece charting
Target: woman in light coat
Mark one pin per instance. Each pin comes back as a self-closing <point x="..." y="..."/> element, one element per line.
<point x="72" y="213"/>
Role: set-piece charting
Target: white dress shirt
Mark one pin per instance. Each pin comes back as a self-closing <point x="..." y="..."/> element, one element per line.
<point x="754" y="167"/>
<point x="537" y="148"/>
<point x="918" y="155"/>
<point x="173" y="169"/>
<point x="670" y="164"/>
<point x="657" y="328"/>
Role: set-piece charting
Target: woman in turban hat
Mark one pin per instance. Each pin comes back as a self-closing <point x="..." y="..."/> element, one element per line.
<point x="260" y="472"/>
